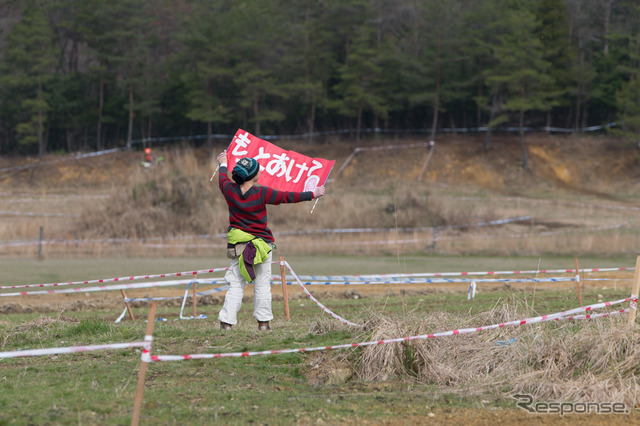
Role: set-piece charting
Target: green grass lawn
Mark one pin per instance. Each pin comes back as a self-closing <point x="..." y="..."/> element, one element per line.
<point x="99" y="387"/>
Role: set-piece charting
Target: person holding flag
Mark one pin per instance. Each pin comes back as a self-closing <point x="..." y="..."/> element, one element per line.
<point x="250" y="241"/>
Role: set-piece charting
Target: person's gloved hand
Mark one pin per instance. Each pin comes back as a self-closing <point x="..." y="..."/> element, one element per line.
<point x="318" y="191"/>
<point x="222" y="157"/>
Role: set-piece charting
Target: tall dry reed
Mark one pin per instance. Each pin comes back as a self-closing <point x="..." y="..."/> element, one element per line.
<point x="171" y="198"/>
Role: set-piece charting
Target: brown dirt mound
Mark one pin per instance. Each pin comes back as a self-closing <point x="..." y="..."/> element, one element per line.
<point x="580" y="163"/>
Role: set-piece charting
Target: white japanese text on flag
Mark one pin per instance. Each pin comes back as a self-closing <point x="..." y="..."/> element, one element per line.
<point x="281" y="170"/>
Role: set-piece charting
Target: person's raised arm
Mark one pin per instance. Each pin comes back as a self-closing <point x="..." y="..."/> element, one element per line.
<point x="273" y="196"/>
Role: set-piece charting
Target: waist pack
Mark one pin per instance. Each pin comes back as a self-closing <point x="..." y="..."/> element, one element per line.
<point x="235" y="250"/>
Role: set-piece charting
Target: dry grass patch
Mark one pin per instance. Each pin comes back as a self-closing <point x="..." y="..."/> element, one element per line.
<point x="172" y="198"/>
<point x="41" y="324"/>
<point x="581" y="361"/>
<point x="46" y="322"/>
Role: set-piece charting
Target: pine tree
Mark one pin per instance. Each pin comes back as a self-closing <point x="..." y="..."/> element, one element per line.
<point x="628" y="100"/>
<point x="28" y="64"/>
<point x="520" y="77"/>
<point x="205" y="62"/>
<point x="258" y="44"/>
<point x="360" y="79"/>
<point x="309" y="63"/>
<point x="553" y="30"/>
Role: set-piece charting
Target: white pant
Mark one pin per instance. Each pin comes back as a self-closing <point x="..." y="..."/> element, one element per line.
<point x="261" y="292"/>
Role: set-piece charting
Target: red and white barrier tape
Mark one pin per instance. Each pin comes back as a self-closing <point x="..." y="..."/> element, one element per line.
<point x="109" y="287"/>
<point x="593" y="316"/>
<point x="107" y="280"/>
<point x="532" y="320"/>
<point x="70" y="349"/>
<point x="146" y="349"/>
<point x="312" y="277"/>
<point x="132" y="278"/>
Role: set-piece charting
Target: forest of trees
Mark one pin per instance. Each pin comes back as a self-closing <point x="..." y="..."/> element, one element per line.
<point x="82" y="75"/>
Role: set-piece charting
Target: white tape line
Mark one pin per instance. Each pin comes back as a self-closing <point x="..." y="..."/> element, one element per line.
<point x="317" y="302"/>
<point x="451" y="274"/>
<point x="184" y="300"/>
<point x="200" y="293"/>
<point x="70" y="349"/>
<point x="105" y="288"/>
<point x="437" y="281"/>
<point x="149" y="299"/>
<point x="121" y="316"/>
<point x="313" y="277"/>
<point x="471" y="293"/>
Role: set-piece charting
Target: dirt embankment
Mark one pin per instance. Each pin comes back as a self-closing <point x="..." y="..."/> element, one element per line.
<point x="585" y="164"/>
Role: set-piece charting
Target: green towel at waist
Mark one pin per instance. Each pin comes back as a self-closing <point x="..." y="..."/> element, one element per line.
<point x="255" y="253"/>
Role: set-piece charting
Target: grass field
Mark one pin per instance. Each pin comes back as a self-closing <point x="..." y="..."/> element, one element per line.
<point x="305" y="388"/>
<point x="29" y="270"/>
<point x="580" y="193"/>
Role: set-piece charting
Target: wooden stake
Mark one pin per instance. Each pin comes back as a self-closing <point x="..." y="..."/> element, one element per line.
<point x="578" y="282"/>
<point x="151" y="319"/>
<point x="124" y="297"/>
<point x="285" y="295"/>
<point x="634" y="293"/>
<point x="195" y="286"/>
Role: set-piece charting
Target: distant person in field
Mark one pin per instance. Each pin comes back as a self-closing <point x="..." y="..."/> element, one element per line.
<point x="250" y="241"/>
<point x="148" y="158"/>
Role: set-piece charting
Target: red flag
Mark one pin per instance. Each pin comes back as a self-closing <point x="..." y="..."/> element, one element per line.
<point x="281" y="170"/>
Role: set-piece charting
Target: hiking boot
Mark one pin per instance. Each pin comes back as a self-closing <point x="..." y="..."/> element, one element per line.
<point x="263" y="325"/>
<point x="225" y="326"/>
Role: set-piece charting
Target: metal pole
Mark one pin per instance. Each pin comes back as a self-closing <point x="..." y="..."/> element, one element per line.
<point x="40" y="243"/>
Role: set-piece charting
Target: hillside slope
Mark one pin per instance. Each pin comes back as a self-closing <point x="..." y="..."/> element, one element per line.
<point x="580" y="183"/>
<point x="584" y="164"/>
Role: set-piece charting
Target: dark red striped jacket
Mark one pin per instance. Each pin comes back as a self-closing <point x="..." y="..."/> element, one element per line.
<point x="248" y="211"/>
